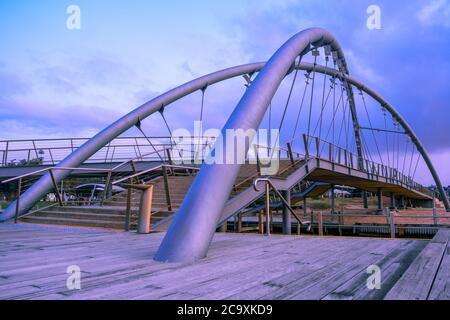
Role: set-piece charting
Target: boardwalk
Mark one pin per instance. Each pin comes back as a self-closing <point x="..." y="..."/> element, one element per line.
<point x="118" y="265"/>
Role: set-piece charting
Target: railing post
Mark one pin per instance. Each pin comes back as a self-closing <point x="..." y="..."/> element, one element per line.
<point x="128" y="212"/>
<point x="318" y="147"/>
<point x="291" y="156"/>
<point x="330" y="152"/>
<point x="305" y="142"/>
<point x="169" y="157"/>
<point x="19" y="190"/>
<point x="5" y="154"/>
<point x="392" y="223"/>
<point x="133" y="166"/>
<point x="268" y="222"/>
<point x="320" y="220"/>
<point x="434" y="210"/>
<point x="55" y="186"/>
<point x="107" y="187"/>
<point x="167" y="189"/>
<point x="258" y="164"/>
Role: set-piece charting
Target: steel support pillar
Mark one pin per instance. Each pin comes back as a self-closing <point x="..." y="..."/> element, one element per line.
<point x="393" y="202"/>
<point x="305" y="208"/>
<point x="287" y="225"/>
<point x="365" y="202"/>
<point x="192" y="229"/>
<point x="379" y="199"/>
<point x="332" y="197"/>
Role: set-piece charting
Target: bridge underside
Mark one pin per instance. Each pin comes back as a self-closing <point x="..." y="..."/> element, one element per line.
<point x="333" y="177"/>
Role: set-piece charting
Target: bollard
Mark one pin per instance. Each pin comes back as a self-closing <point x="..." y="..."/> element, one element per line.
<point x="145" y="206"/>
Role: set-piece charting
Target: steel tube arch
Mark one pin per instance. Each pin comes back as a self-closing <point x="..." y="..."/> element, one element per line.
<point x="192" y="230"/>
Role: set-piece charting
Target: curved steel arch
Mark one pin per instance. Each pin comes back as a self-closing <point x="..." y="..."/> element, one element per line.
<point x="193" y="228"/>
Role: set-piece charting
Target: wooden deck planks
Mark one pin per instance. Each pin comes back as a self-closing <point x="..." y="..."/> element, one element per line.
<point x="117" y="265"/>
<point x="416" y="283"/>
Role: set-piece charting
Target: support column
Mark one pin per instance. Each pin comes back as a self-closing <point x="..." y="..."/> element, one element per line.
<point x="305" y="209"/>
<point x="364" y="196"/>
<point x="286" y="213"/>
<point x="379" y="199"/>
<point x="403" y="202"/>
<point x="332" y="197"/>
<point x="435" y="221"/>
<point x="239" y="222"/>
<point x="392" y="201"/>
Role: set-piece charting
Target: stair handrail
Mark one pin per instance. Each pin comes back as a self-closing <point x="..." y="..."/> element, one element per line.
<point x="54" y="168"/>
<point x="269" y="185"/>
<point x="158" y="167"/>
<point x="55" y="186"/>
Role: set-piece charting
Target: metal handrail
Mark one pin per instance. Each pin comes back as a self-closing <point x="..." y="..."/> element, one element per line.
<point x="54" y="168"/>
<point x="161" y="166"/>
<point x="373" y="167"/>
<point x="269" y="186"/>
<point x="108" y="153"/>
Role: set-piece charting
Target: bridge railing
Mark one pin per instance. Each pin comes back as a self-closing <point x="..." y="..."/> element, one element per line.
<point x="52" y="151"/>
<point x="314" y="147"/>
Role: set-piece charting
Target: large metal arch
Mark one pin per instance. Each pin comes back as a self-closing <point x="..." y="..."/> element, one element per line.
<point x="192" y="230"/>
<point x="44" y="185"/>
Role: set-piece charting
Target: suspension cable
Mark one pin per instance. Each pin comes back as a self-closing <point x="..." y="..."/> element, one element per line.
<point x="386" y="134"/>
<point x="341" y="99"/>
<point x="370" y="124"/>
<point x="411" y="160"/>
<point x="138" y="125"/>
<point x="202" y="104"/>
<point x="161" y="111"/>
<point x="323" y="96"/>
<point x="417" y="163"/>
<point x="405" y="155"/>
<point x="289" y="95"/>
<point x="301" y="107"/>
<point x="287" y="103"/>
<point x="342" y="128"/>
<point x="312" y="94"/>
<point x="321" y="112"/>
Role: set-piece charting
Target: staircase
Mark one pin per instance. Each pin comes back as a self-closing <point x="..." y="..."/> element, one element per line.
<point x="112" y="214"/>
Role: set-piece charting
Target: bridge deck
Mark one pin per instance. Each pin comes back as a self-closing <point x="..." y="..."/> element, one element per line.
<point x="338" y="174"/>
<point x="33" y="262"/>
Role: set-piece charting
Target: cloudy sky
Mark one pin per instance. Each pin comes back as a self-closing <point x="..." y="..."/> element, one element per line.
<point x="56" y="82"/>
